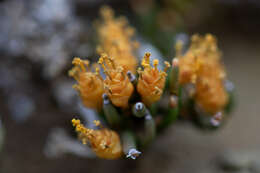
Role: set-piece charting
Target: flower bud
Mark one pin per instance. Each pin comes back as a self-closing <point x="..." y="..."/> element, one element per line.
<point x="104" y="142"/>
<point x="139" y="110"/>
<point x="151" y="81"/>
<point x="90" y="85"/>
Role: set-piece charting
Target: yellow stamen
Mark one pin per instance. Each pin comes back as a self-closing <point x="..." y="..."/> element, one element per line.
<point x="83" y="64"/>
<point x="89" y="84"/>
<point x="104" y="142"/>
<point x="151" y="81"/>
<point x="167" y="66"/>
<point x="147" y="57"/>
<point x="97" y="123"/>
<point x="155" y="63"/>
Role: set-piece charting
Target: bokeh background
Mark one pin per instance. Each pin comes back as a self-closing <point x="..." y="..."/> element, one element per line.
<point x="39" y="38"/>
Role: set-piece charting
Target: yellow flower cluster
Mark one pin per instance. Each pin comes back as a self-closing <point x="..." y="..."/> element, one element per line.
<point x="117" y="85"/>
<point x="104" y="142"/>
<point x="151" y="81"/>
<point x="115" y="39"/>
<point x="201" y="66"/>
<point x="90" y="85"/>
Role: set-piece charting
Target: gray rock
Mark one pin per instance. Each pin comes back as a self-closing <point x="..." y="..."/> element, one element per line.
<point x="240" y="160"/>
<point x="60" y="143"/>
<point x="64" y="94"/>
<point x="21" y="106"/>
<point x="44" y="31"/>
<point x="88" y="115"/>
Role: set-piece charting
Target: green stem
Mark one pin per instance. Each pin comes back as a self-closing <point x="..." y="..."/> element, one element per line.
<point x="110" y="112"/>
<point x="129" y="145"/>
<point x="149" y="129"/>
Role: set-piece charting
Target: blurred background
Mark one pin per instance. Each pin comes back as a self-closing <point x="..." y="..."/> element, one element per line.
<point x="39" y="38"/>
